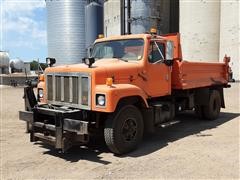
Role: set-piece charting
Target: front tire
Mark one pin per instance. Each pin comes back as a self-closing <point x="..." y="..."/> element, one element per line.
<point x="124" y="130"/>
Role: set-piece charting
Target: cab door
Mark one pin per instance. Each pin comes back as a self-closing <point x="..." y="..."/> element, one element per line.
<point x="158" y="73"/>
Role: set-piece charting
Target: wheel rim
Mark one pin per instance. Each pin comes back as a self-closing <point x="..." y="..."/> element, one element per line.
<point x="129" y="130"/>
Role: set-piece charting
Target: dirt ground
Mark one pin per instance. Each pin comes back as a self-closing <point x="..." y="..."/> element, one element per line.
<point x="192" y="149"/>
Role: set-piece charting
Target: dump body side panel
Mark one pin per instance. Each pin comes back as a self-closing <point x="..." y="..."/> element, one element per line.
<point x="189" y="75"/>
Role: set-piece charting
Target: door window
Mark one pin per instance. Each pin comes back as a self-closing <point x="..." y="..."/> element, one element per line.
<point x="156" y="52"/>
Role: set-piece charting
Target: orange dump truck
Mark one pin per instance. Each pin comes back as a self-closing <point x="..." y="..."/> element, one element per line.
<point x="129" y="85"/>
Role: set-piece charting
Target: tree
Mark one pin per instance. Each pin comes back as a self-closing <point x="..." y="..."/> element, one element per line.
<point x="34" y="65"/>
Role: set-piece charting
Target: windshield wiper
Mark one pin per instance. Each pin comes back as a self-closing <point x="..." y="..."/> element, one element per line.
<point x="120" y="59"/>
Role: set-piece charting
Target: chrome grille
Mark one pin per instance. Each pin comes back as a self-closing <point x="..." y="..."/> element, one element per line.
<point x="66" y="90"/>
<point x="58" y="88"/>
<point x="50" y="88"/>
<point x="75" y="89"/>
<point x="69" y="89"/>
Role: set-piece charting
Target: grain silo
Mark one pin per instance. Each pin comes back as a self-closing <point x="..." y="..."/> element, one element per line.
<point x="230" y="35"/>
<point x="200" y="29"/>
<point x="136" y="16"/>
<point x="66" y="30"/>
<point x="93" y="21"/>
<point x="112" y="18"/>
<point x="4" y="62"/>
<point x="17" y="65"/>
<point x="145" y="14"/>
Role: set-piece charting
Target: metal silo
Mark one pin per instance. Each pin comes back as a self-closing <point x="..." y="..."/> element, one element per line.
<point x="200" y="30"/>
<point x="66" y="30"/>
<point x="144" y="15"/>
<point x="112" y="18"/>
<point x="4" y="62"/>
<point x="17" y="65"/>
<point x="94" y="22"/>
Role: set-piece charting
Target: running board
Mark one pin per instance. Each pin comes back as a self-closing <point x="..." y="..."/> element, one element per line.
<point x="167" y="124"/>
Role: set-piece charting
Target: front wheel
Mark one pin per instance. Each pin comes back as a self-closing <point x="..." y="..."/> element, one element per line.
<point x="124" y="130"/>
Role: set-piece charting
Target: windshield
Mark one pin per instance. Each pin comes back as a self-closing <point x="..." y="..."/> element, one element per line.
<point x="130" y="49"/>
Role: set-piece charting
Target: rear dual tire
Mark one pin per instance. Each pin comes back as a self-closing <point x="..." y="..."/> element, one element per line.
<point x="210" y="111"/>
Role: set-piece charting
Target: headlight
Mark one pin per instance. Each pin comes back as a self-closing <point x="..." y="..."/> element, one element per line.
<point x="100" y="99"/>
<point x="40" y="93"/>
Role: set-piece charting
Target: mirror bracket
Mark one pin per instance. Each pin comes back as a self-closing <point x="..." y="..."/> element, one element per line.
<point x="168" y="62"/>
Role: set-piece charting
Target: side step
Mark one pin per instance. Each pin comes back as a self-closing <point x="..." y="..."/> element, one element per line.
<point x="167" y="124"/>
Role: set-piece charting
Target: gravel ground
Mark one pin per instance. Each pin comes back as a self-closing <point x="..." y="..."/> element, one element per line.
<point x="192" y="149"/>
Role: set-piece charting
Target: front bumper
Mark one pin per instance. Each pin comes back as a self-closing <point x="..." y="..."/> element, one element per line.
<point x="59" y="127"/>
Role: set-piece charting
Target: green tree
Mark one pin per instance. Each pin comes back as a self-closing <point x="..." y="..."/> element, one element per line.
<point x="34" y="65"/>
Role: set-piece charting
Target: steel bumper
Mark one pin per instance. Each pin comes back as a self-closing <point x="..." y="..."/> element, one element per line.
<point x="57" y="127"/>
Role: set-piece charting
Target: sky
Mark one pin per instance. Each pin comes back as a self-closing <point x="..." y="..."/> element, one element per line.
<point x="23" y="29"/>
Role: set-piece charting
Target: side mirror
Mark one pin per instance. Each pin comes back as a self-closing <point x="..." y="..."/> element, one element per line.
<point x="50" y="61"/>
<point x="88" y="61"/>
<point x="169" y="53"/>
<point x="89" y="51"/>
<point x="168" y="62"/>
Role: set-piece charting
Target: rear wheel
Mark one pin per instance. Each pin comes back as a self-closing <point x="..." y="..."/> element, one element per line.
<point x="212" y="110"/>
<point x="124" y="130"/>
<point x="199" y="111"/>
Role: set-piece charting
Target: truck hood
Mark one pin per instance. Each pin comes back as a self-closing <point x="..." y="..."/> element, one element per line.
<point x="117" y="69"/>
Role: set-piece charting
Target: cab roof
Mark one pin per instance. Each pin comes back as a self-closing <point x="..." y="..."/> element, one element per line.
<point x="131" y="36"/>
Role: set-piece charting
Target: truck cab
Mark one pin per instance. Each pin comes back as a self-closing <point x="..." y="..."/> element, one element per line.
<point x="126" y="87"/>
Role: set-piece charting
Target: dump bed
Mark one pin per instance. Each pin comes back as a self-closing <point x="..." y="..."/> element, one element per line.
<point x="188" y="75"/>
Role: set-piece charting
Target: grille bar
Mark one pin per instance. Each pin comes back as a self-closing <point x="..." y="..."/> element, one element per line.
<point x="50" y="88"/>
<point x="53" y="88"/>
<point x="62" y="89"/>
<point x="69" y="89"/>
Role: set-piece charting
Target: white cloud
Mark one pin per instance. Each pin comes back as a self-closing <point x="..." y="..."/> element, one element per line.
<point x="21" y="25"/>
<point x="19" y="18"/>
<point x="22" y="43"/>
<point x="21" y="7"/>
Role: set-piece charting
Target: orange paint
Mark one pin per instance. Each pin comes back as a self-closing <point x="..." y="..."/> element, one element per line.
<point x="141" y="78"/>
